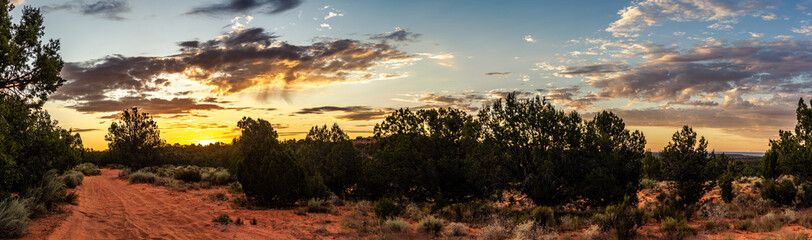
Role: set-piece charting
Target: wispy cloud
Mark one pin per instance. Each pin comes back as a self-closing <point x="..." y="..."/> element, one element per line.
<point x="247" y="6"/>
<point x="109" y="9"/>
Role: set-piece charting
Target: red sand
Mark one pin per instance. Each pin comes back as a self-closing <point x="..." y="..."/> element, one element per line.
<point x="111" y="208"/>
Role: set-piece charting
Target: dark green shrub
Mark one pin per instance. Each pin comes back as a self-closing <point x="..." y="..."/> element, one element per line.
<point x="187" y="175"/>
<point x="223" y="219"/>
<point x="72" y="178"/>
<point x="686" y="162"/>
<point x="624" y="218"/>
<point x="385" y="208"/>
<point x="238" y="222"/>
<point x="430" y="224"/>
<point x="253" y="221"/>
<point x="782" y="193"/>
<point x="726" y="187"/>
<point x="218" y="196"/>
<point x="803" y="198"/>
<point x="267" y="171"/>
<point x="672" y="228"/>
<point x="14" y="215"/>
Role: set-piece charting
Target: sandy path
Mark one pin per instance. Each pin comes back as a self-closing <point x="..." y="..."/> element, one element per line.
<point x="110" y="208"/>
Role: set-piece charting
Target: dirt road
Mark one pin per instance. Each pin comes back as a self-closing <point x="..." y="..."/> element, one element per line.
<point x="111" y="208"/>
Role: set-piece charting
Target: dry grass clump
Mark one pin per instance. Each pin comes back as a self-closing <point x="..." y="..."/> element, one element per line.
<point x="676" y="229"/>
<point x="73" y="178"/>
<point x="494" y="231"/>
<point x="142" y="177"/>
<point x="218" y="196"/>
<point x="430" y="224"/>
<point x="397" y="225"/>
<point x="88" y="169"/>
<point x="457" y="229"/>
<point x="14" y="215"/>
<point x="318" y="205"/>
<point x="767" y="223"/>
<point x="413" y="212"/>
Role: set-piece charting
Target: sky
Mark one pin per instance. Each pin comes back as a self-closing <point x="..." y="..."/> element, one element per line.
<point x="734" y="70"/>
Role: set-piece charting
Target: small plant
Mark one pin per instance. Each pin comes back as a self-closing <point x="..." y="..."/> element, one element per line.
<point x="187" y="175"/>
<point x="676" y="229"/>
<point x="430" y="224"/>
<point x="254" y="221"/>
<point x="396" y="225"/>
<point x="72" y="198"/>
<point x="570" y="223"/>
<point x="413" y="212"/>
<point x="72" y="178"/>
<point x="235" y="187"/>
<point x="14" y="215"/>
<point x="647" y="183"/>
<point x="457" y="229"/>
<point x="238" y="222"/>
<point x="218" y="196"/>
<point x="767" y="223"/>
<point x="592" y="233"/>
<point x="50" y="191"/>
<point x="386" y="208"/>
<point x="223" y="219"/>
<point x="143" y="177"/>
<point x="317" y="205"/>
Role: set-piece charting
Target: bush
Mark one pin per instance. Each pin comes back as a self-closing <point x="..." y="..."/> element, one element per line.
<point x="267" y="170"/>
<point x="143" y="177"/>
<point x="803" y="198"/>
<point x="767" y="223"/>
<point x="72" y="179"/>
<point x="187" y="175"/>
<point x="253" y="221"/>
<point x="221" y="177"/>
<point x="624" y="218"/>
<point x="238" y="222"/>
<point x="50" y="191"/>
<point x="782" y="193"/>
<point x="676" y="229"/>
<point x="223" y="219"/>
<point x="386" y="208"/>
<point x="430" y="224"/>
<point x="88" y="169"/>
<point x="543" y="215"/>
<point x="396" y="225"/>
<point x="14" y="215"/>
<point x="526" y="231"/>
<point x="726" y="187"/>
<point x="235" y="187"/>
<point x="125" y="173"/>
<point x="318" y="205"/>
<point x="457" y="229"/>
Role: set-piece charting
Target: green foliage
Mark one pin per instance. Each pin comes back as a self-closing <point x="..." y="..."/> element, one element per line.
<point x="385" y="208"/>
<point x="726" y="184"/>
<point x="30" y="67"/>
<point x="253" y="221"/>
<point x="686" y="162"/>
<point x="790" y="153"/>
<point x="238" y="222"/>
<point x="223" y="219"/>
<point x="329" y="152"/>
<point x="430" y="224"/>
<point x="803" y="198"/>
<point x="187" y="175"/>
<point x="14" y="215"/>
<point x="782" y="193"/>
<point x="624" y="218"/>
<point x="134" y="139"/>
<point x="557" y="157"/>
<point x="267" y="171"/>
<point x="651" y="166"/>
<point x="676" y="229"/>
<point x="218" y="196"/>
<point x="72" y="178"/>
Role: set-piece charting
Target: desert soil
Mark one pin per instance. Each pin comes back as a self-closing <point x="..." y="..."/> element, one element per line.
<point x="110" y="208"/>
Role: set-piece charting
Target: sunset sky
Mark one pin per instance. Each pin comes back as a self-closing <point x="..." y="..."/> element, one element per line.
<point x="734" y="70"/>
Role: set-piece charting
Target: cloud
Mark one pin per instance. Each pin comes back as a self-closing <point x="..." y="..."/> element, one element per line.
<point x="803" y="30"/>
<point x="332" y="15"/>
<point x="81" y="130"/>
<point x="109" y="9"/>
<point x="399" y="35"/>
<point x="591" y="71"/>
<point x="496" y="73"/>
<point x="350" y="113"/>
<point x="154" y="106"/>
<point x="247" y="6"/>
<point x="237" y="61"/>
<point x="756" y="35"/>
<point x="647" y="13"/>
<point x="713" y="69"/>
<point x="529" y="38"/>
